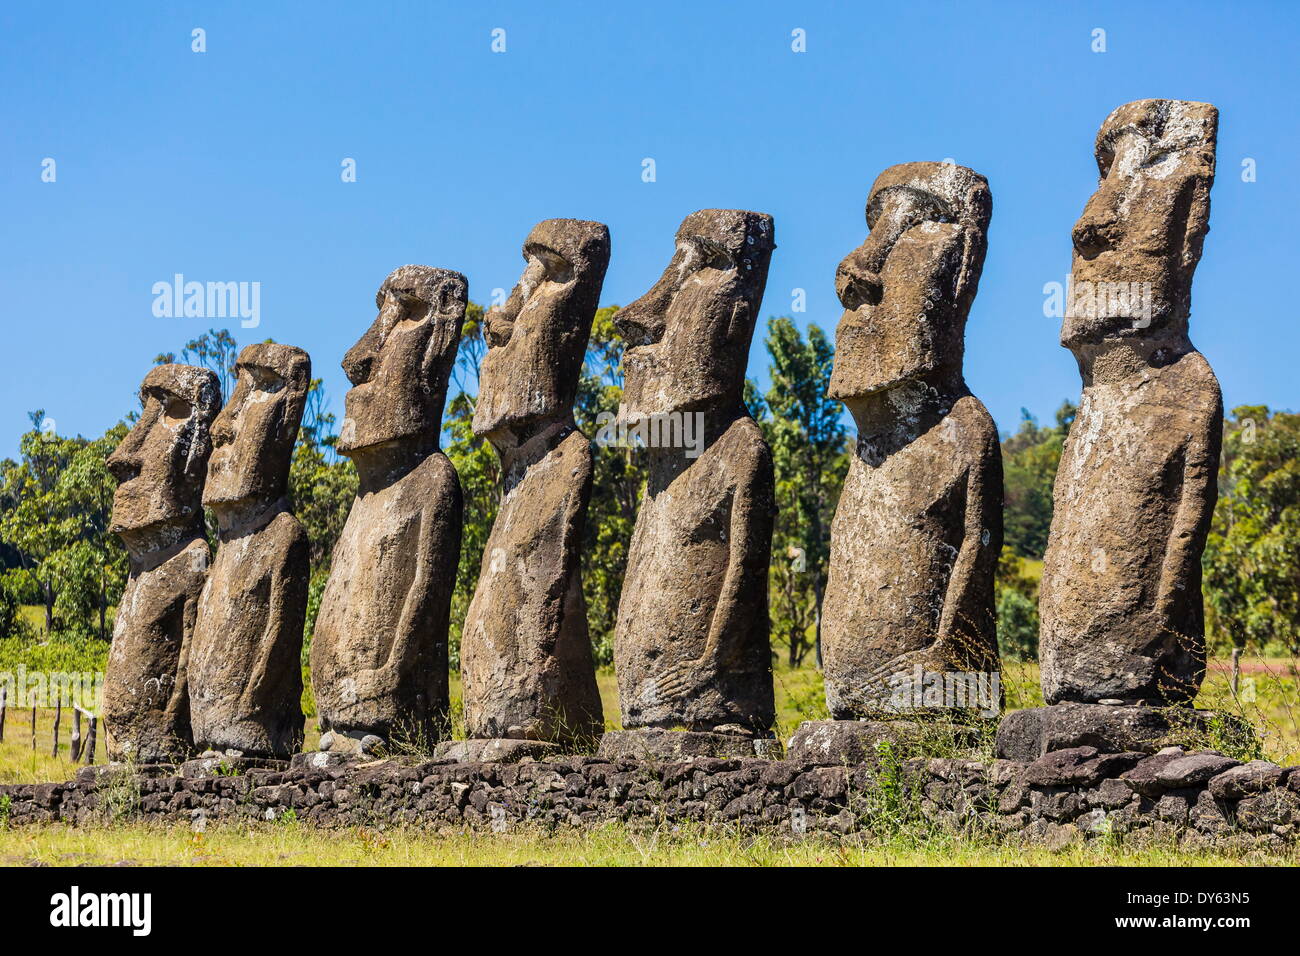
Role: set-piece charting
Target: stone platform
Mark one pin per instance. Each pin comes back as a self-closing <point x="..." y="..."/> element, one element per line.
<point x="843" y="742"/>
<point x="1028" y="734"/>
<point x="657" y="744"/>
<point x="1198" y="799"/>
<point x="496" y="750"/>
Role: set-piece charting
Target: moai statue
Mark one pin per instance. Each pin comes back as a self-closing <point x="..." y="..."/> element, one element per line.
<point x="379" y="650"/>
<point x="691" y="644"/>
<point x="1120" y="600"/>
<point x="245" y="668"/>
<point x="525" y="654"/>
<point x="908" y="622"/>
<point x="158" y="514"/>
<point x="1121" y="609"/>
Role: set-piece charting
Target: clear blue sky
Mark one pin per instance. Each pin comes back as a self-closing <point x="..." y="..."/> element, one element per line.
<point x="225" y="165"/>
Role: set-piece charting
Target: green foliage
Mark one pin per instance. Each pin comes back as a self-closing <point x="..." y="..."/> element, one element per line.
<point x="1252" y="557"/>
<point x="810" y="457"/>
<point x="1017" y="609"/>
<point x="56" y="506"/>
<point x="1029" y="461"/>
<point x="477" y="466"/>
<point x="618" y="480"/>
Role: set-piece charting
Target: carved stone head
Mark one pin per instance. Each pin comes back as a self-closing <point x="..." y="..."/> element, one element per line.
<point x="161" y="463"/>
<point x="908" y="288"/>
<point x="252" y="438"/>
<point x="537" y="340"/>
<point x="1145" y="223"/>
<point x="399" y="368"/>
<point x="689" y="336"/>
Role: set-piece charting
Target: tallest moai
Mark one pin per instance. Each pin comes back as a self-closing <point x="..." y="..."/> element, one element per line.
<point x="1122" y="617"/>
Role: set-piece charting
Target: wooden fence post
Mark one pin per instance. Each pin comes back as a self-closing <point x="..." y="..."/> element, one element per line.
<point x="58" y="719"/>
<point x="4" y="689"/>
<point x="90" y="741"/>
<point x="74" y="745"/>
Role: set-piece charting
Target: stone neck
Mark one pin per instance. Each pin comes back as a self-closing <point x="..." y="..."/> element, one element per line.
<point x="240" y="518"/>
<point x="147" y="548"/>
<point x="519" y="451"/>
<point x="898" y="415"/>
<point x="1119" y="360"/>
<point x="666" y="462"/>
<point x="380" y="466"/>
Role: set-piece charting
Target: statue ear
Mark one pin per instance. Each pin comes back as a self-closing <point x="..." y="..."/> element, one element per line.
<point x="738" y="328"/>
<point x="970" y="263"/>
<point x="1197" y="223"/>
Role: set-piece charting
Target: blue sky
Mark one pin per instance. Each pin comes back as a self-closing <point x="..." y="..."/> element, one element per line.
<point x="225" y="165"/>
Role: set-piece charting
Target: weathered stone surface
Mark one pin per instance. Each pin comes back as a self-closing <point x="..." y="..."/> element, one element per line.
<point x="1270" y="810"/>
<point x="1237" y="782"/>
<point x="245" y="667"/>
<point x="691" y="645"/>
<point x="379" y="649"/>
<point x="842" y="742"/>
<point x="918" y="529"/>
<point x="1120" y="604"/>
<point x="1193" y="769"/>
<point x="1077" y="767"/>
<point x="1144" y="777"/>
<point x="1027" y="734"/>
<point x="950" y="795"/>
<point x="657" y="744"/>
<point x="496" y="750"/>
<point x="525" y="653"/>
<point x="158" y="514"/>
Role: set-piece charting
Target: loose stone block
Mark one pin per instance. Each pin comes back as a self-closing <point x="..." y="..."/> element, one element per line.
<point x="660" y="745"/>
<point x="496" y="750"/>
<point x="1027" y="734"/>
<point x="847" y="742"/>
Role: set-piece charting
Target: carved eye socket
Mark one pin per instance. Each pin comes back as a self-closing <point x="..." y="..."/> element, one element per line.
<point x="707" y="254"/>
<point x="176" y="409"/>
<point x="909" y="206"/>
<point x="1157" y="156"/>
<point x="265" y="379"/>
<point x="1105" y="160"/>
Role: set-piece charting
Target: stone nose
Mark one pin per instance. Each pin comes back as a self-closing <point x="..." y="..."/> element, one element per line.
<point x="642" y="323"/>
<point x="124" y="464"/>
<point x="856" y="283"/>
<point x="1098" y="227"/>
<point x="359" y="362"/>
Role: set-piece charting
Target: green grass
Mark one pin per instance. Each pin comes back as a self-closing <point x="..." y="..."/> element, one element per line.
<point x="292" y="843"/>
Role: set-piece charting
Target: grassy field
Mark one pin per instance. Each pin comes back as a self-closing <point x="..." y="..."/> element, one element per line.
<point x="293" y="844"/>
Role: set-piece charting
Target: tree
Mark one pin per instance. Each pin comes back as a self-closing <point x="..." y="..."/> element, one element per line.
<point x="617" y="482"/>
<point x="59" y="501"/>
<point x="1252" y="556"/>
<point x="477" y="467"/>
<point x="810" y="455"/>
<point x="1029" y="461"/>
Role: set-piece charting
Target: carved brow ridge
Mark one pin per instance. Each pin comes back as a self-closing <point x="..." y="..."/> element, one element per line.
<point x="940" y="204"/>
